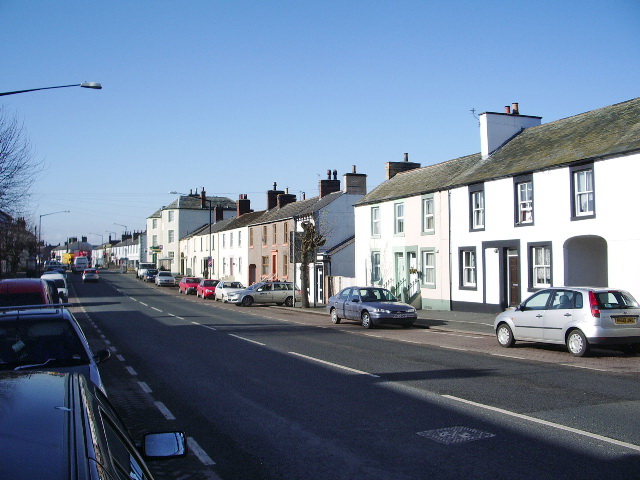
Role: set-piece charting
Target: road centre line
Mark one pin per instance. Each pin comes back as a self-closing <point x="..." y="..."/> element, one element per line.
<point x="145" y="304"/>
<point x="558" y="426"/>
<point x="342" y="367"/>
<point x="164" y="410"/>
<point x="131" y="371"/>
<point x="156" y="309"/>
<point x="199" y="452"/>
<point x="200" y="325"/>
<point x="507" y="356"/>
<point x="247" y="339"/>
<point x="453" y="348"/>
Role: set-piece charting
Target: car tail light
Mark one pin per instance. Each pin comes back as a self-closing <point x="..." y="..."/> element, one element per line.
<point x="593" y="303"/>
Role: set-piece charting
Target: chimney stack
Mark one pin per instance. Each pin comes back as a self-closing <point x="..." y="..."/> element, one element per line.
<point x="355" y="183"/>
<point x="243" y="205"/>
<point x="272" y="197"/>
<point x="498" y="128"/>
<point x="329" y="186"/>
<point x="394" y="168"/>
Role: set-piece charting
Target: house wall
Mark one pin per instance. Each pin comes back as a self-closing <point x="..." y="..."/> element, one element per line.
<point x="593" y="251"/>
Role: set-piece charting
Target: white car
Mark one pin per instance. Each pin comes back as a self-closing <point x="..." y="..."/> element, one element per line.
<point x="61" y="284"/>
<point x="164" y="278"/>
<point x="574" y="316"/>
<point x="225" y="287"/>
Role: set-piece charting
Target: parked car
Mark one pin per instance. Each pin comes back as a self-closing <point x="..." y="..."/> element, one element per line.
<point x="60" y="281"/>
<point x="164" y="278"/>
<point x="79" y="264"/>
<point x="27" y="291"/>
<point x="280" y="293"/>
<point x="90" y="275"/>
<point x="371" y="306"/>
<point x="225" y="287"/>
<point x="149" y="275"/>
<point x="41" y="338"/>
<point x="206" y="288"/>
<point x="577" y="317"/>
<point x="59" y="426"/>
<point x="188" y="285"/>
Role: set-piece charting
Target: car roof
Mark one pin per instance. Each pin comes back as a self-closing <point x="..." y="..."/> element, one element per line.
<point x="34" y="424"/>
<point x="19" y="285"/>
<point x="34" y="311"/>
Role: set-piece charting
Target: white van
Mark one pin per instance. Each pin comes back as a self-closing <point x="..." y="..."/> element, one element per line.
<point x="79" y="264"/>
<point x="61" y="284"/>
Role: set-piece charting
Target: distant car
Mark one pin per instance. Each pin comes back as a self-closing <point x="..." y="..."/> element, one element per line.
<point x="57" y="425"/>
<point x="188" y="285"/>
<point x="280" y="293"/>
<point x="90" y="275"/>
<point x="206" y="288"/>
<point x="27" y="291"/>
<point x="225" y="287"/>
<point x="149" y="275"/>
<point x="61" y="284"/>
<point x="164" y="278"/>
<point x="577" y="317"/>
<point x="371" y="306"/>
<point x="40" y="338"/>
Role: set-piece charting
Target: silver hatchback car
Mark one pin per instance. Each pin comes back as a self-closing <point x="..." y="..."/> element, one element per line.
<point x="574" y="316"/>
<point x="280" y="293"/>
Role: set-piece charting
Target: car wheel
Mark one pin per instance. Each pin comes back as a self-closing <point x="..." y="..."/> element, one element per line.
<point x="577" y="343"/>
<point x="505" y="336"/>
<point x="288" y="302"/>
<point x="247" y="301"/>
<point x="334" y="316"/>
<point x="366" y="320"/>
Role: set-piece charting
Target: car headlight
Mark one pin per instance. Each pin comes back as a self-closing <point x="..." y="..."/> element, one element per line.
<point x="380" y="310"/>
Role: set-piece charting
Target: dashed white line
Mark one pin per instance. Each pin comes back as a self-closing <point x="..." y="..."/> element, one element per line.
<point x="507" y="356"/>
<point x="246" y="339"/>
<point x="131" y="371"/>
<point x="120" y="357"/>
<point x="142" y="303"/>
<point x="342" y="367"/>
<point x="585" y="367"/>
<point x="199" y="452"/>
<point x="595" y="436"/>
<point x="145" y="387"/>
<point x="451" y="334"/>
<point x="164" y="410"/>
<point x="156" y="309"/>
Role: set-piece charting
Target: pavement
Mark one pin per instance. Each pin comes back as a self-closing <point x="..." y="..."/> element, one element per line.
<point x="481" y="323"/>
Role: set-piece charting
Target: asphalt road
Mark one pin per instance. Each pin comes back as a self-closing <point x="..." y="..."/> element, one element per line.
<point x="274" y="393"/>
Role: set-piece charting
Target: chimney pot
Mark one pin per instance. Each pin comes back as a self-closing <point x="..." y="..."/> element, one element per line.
<point x="515" y="109"/>
<point x="329" y="174"/>
<point x="335" y="174"/>
<point x="507" y="109"/>
<point x="406" y="157"/>
<point x="353" y="169"/>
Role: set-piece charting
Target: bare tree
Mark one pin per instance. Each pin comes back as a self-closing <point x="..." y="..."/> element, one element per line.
<point x="18" y="169"/>
<point x="18" y="246"/>
<point x="311" y="239"/>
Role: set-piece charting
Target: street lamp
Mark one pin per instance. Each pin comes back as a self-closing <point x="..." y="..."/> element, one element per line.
<point x="120" y="225"/>
<point x="99" y="235"/>
<point x="40" y="230"/>
<point x="210" y="259"/>
<point x="94" y="85"/>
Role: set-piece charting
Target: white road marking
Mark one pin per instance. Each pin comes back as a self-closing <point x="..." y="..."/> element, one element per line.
<point x="145" y="387"/>
<point x="131" y="371"/>
<point x="246" y="339"/>
<point x="507" y="356"/>
<point x="199" y="452"/>
<point x="120" y="357"/>
<point x="164" y="410"/>
<point x="583" y="366"/>
<point x="156" y="309"/>
<point x="595" y="436"/>
<point x="453" y="348"/>
<point x="142" y="303"/>
<point x="342" y="367"/>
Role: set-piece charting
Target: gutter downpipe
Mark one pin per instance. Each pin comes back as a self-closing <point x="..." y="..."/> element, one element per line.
<point x="450" y="253"/>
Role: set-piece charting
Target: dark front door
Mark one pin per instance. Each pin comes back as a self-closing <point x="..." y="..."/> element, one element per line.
<point x="514" y="279"/>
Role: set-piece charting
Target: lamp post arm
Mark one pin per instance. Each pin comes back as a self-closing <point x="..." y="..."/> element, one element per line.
<point x="93" y="85"/>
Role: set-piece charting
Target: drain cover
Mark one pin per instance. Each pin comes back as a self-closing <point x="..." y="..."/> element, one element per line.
<point x="454" y="435"/>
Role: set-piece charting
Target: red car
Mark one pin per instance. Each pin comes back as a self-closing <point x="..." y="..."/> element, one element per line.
<point x="27" y="291"/>
<point x="206" y="288"/>
<point x="188" y="285"/>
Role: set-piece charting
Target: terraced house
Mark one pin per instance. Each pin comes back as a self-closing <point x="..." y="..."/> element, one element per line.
<point x="539" y="205"/>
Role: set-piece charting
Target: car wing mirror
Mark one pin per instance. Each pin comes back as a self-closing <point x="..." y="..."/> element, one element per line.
<point x="102" y="356"/>
<point x="355" y="300"/>
<point x="164" y="445"/>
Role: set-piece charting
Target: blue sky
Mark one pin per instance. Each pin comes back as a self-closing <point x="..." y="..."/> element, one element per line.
<point x="236" y="95"/>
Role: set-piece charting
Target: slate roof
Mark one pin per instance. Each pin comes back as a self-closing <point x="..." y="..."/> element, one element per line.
<point x="226" y="224"/>
<point x="590" y="136"/>
<point x="297" y="209"/>
<point x="193" y="203"/>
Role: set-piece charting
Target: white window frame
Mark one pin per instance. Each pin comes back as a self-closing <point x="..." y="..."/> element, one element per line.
<point x="583" y="192"/>
<point x="468" y="270"/>
<point x="428" y="215"/>
<point x="170" y="215"/>
<point x="429" y="268"/>
<point x="525" y="202"/>
<point x="541" y="266"/>
<point x="171" y="236"/>
<point x="398" y="209"/>
<point x="375" y="221"/>
<point x="477" y="207"/>
<point x="376" y="272"/>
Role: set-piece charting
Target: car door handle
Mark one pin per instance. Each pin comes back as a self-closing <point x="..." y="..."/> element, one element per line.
<point x="539" y="316"/>
<point x="567" y="314"/>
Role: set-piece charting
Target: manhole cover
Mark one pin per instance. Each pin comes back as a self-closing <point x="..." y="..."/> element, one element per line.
<point x="454" y="435"/>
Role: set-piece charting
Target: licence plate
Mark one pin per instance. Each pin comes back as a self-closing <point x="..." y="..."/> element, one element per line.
<point x="625" y="320"/>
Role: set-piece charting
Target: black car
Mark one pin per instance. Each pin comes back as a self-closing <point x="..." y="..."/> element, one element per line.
<point x="59" y="426"/>
<point x="150" y="275"/>
<point x="371" y="306"/>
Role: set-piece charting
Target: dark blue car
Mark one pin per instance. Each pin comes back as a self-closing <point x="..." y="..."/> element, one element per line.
<point x="371" y="306"/>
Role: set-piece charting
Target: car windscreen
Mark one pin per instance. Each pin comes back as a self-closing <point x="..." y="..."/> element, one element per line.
<point x="27" y="342"/>
<point x="615" y="299"/>
<point x="23" y="298"/>
<point x="152" y="272"/>
<point x="234" y="285"/>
